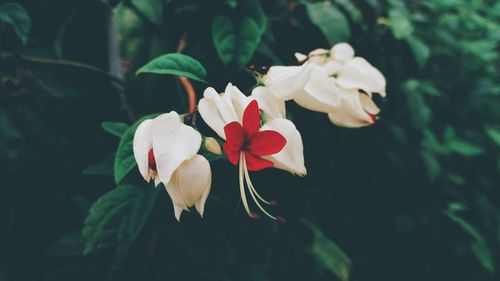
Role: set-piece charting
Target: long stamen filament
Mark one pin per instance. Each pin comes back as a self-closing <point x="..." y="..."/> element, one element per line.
<point x="242" y="185"/>
<point x="250" y="189"/>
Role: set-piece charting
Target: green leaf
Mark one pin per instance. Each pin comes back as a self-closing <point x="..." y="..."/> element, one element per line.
<point x="494" y="135"/>
<point x="252" y="9"/>
<point x="330" y="20"/>
<point x="479" y="247"/>
<point x="116" y="218"/>
<point x="115" y="128"/>
<point x="432" y="164"/>
<point x="421" y="52"/>
<point x="400" y="23"/>
<point x="124" y="159"/>
<point x="235" y="42"/>
<point x="176" y="64"/>
<point x="17" y="17"/>
<point x="71" y="244"/>
<point x="464" y="148"/>
<point x="103" y="168"/>
<point x="419" y="111"/>
<point x="328" y="254"/>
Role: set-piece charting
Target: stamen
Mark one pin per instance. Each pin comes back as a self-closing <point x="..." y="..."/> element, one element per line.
<point x="250" y="185"/>
<point x="252" y="194"/>
<point x="242" y="186"/>
<point x="281" y="220"/>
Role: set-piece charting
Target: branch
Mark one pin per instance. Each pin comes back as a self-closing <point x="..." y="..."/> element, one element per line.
<point x="75" y="64"/>
<point x="186" y="83"/>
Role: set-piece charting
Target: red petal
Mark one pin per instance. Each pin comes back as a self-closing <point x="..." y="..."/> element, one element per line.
<point x="234" y="134"/>
<point x="251" y="119"/>
<point x="256" y="163"/>
<point x="233" y="155"/>
<point x="151" y="160"/>
<point x="266" y="143"/>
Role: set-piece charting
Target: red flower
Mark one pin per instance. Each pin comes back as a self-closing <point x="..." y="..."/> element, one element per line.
<point x="248" y="139"/>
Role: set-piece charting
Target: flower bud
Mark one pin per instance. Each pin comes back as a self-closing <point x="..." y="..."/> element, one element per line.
<point x="212" y="145"/>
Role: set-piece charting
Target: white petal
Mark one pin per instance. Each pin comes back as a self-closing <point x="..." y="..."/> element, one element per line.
<point x="173" y="143"/>
<point x="143" y="141"/>
<point x="369" y="105"/>
<point x="286" y="81"/>
<point x="300" y="57"/>
<point x="173" y="191"/>
<point x="291" y="157"/>
<point x="320" y="92"/>
<point x="342" y="52"/>
<point x="333" y="68"/>
<point x="271" y="105"/>
<point x="351" y="113"/>
<point x="360" y="74"/>
<point x="190" y="185"/>
<point x="195" y="180"/>
<point x="237" y="100"/>
<point x="216" y="111"/>
<point x="319" y="56"/>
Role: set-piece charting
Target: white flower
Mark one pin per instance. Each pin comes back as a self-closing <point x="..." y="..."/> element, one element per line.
<point x="330" y="81"/>
<point x="166" y="151"/>
<point x="220" y="110"/>
<point x="236" y="118"/>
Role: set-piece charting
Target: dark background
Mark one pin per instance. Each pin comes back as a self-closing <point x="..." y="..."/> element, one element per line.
<point x="414" y="197"/>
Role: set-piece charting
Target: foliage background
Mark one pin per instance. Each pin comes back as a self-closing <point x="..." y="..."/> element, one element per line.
<point x="414" y="197"/>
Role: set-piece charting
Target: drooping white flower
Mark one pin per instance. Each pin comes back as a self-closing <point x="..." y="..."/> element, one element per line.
<point x="165" y="150"/>
<point x="331" y="81"/>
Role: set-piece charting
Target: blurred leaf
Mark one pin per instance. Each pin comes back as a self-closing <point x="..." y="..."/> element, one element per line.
<point x="176" y="64"/>
<point x="494" y="134"/>
<point x="328" y="254"/>
<point x="464" y="148"/>
<point x="103" y="168"/>
<point x="235" y="42"/>
<point x="252" y="9"/>
<point x="479" y="247"/>
<point x="432" y="165"/>
<point x="351" y="9"/>
<point x="116" y="218"/>
<point x="61" y="34"/>
<point x="124" y="160"/>
<point x="70" y="244"/>
<point x="401" y="25"/>
<point x="419" y="111"/>
<point x="115" y="128"/>
<point x="421" y="52"/>
<point x="330" y="21"/>
<point x="17" y="17"/>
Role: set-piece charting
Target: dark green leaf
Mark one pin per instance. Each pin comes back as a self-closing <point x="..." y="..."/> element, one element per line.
<point x="330" y="20"/>
<point x="176" y="64"/>
<point x="494" y="135"/>
<point x="421" y="52"/>
<point x="235" y="42"/>
<point x="124" y="160"/>
<point x="116" y="218"/>
<point x="70" y="244"/>
<point x="328" y="254"/>
<point x="115" y="128"/>
<point x="17" y="17"/>
<point x="479" y="247"/>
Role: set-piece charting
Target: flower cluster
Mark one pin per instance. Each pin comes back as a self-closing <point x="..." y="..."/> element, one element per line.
<point x="255" y="130"/>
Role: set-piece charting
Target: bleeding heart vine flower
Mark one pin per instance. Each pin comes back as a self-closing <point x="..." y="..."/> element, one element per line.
<point x="165" y="150"/>
<point x="330" y="81"/>
<point x="236" y="119"/>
